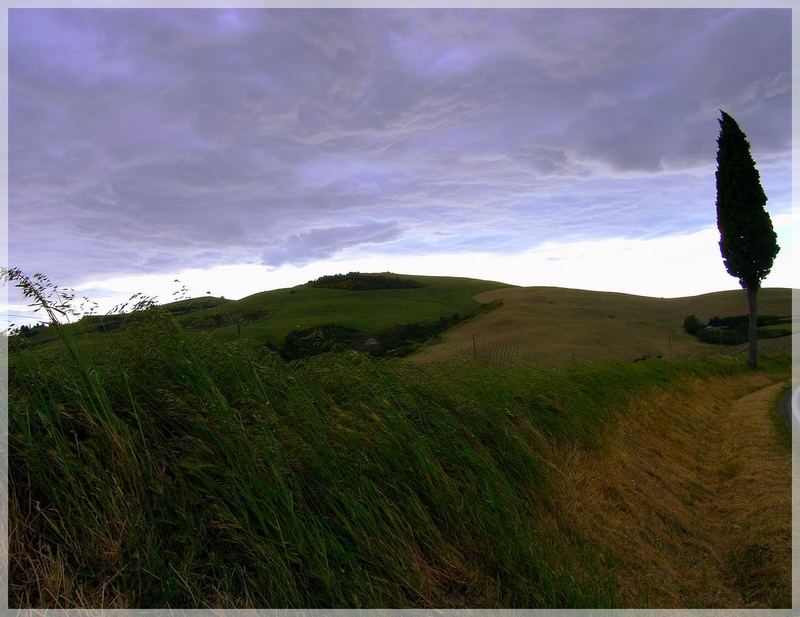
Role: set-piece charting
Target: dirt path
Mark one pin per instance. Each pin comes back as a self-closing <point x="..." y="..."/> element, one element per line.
<point x="690" y="500"/>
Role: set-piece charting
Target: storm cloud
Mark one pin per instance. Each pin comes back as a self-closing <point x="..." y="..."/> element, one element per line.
<point x="148" y="140"/>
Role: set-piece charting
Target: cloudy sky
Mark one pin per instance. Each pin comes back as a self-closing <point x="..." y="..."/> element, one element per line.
<point x="243" y="150"/>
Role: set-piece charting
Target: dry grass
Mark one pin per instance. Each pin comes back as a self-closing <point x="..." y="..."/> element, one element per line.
<point x="689" y="503"/>
<point x="549" y="324"/>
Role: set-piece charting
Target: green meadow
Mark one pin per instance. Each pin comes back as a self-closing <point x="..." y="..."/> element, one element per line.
<point x="269" y="316"/>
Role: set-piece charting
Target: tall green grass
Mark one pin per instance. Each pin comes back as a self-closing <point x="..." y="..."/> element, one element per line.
<point x="180" y="471"/>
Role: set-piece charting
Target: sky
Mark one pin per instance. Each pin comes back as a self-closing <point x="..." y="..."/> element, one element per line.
<point x="244" y="150"/>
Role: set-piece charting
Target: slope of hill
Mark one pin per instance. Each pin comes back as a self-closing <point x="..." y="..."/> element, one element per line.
<point x="551" y="324"/>
<point x="269" y="316"/>
<point x="178" y="470"/>
<point x="181" y="471"/>
<point x="541" y="324"/>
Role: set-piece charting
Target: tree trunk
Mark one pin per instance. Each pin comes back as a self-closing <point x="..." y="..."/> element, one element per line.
<point x="752" y="351"/>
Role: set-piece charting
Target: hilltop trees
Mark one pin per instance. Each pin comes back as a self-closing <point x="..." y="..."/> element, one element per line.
<point x="747" y="241"/>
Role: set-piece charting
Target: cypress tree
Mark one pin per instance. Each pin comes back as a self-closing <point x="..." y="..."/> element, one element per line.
<point x="747" y="241"/>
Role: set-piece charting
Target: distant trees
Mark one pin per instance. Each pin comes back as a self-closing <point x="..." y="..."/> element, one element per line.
<point x="748" y="242"/>
<point x="734" y="330"/>
<point x="358" y="281"/>
<point x="692" y="324"/>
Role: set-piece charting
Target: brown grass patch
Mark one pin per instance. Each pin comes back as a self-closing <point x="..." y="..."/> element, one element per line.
<point x="689" y="502"/>
<point x="554" y="325"/>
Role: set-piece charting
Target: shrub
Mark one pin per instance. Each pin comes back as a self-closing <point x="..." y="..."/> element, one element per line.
<point x="692" y="325"/>
<point x="734" y="330"/>
<point x="356" y="281"/>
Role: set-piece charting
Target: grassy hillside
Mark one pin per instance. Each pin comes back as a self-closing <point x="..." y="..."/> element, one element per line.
<point x="177" y="470"/>
<point x="540" y="324"/>
<point x="268" y="316"/>
<point x="283" y="310"/>
<point x="551" y="324"/>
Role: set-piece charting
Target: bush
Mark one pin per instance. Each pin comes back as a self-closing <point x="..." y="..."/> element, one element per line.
<point x="322" y="339"/>
<point x="356" y="281"/>
<point x="692" y="324"/>
<point x="774" y="332"/>
<point x="724" y="336"/>
<point x="734" y="330"/>
<point x="398" y="340"/>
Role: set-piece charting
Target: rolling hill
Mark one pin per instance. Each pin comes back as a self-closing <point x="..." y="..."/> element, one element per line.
<point x="494" y="321"/>
<point x="270" y="315"/>
<point x="551" y="324"/>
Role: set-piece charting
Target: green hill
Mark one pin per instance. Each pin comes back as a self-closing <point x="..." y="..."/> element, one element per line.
<point x="270" y="315"/>
<point x="541" y="324"/>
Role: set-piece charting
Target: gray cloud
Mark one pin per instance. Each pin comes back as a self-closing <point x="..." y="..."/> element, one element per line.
<point x="317" y="244"/>
<point x="148" y="140"/>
